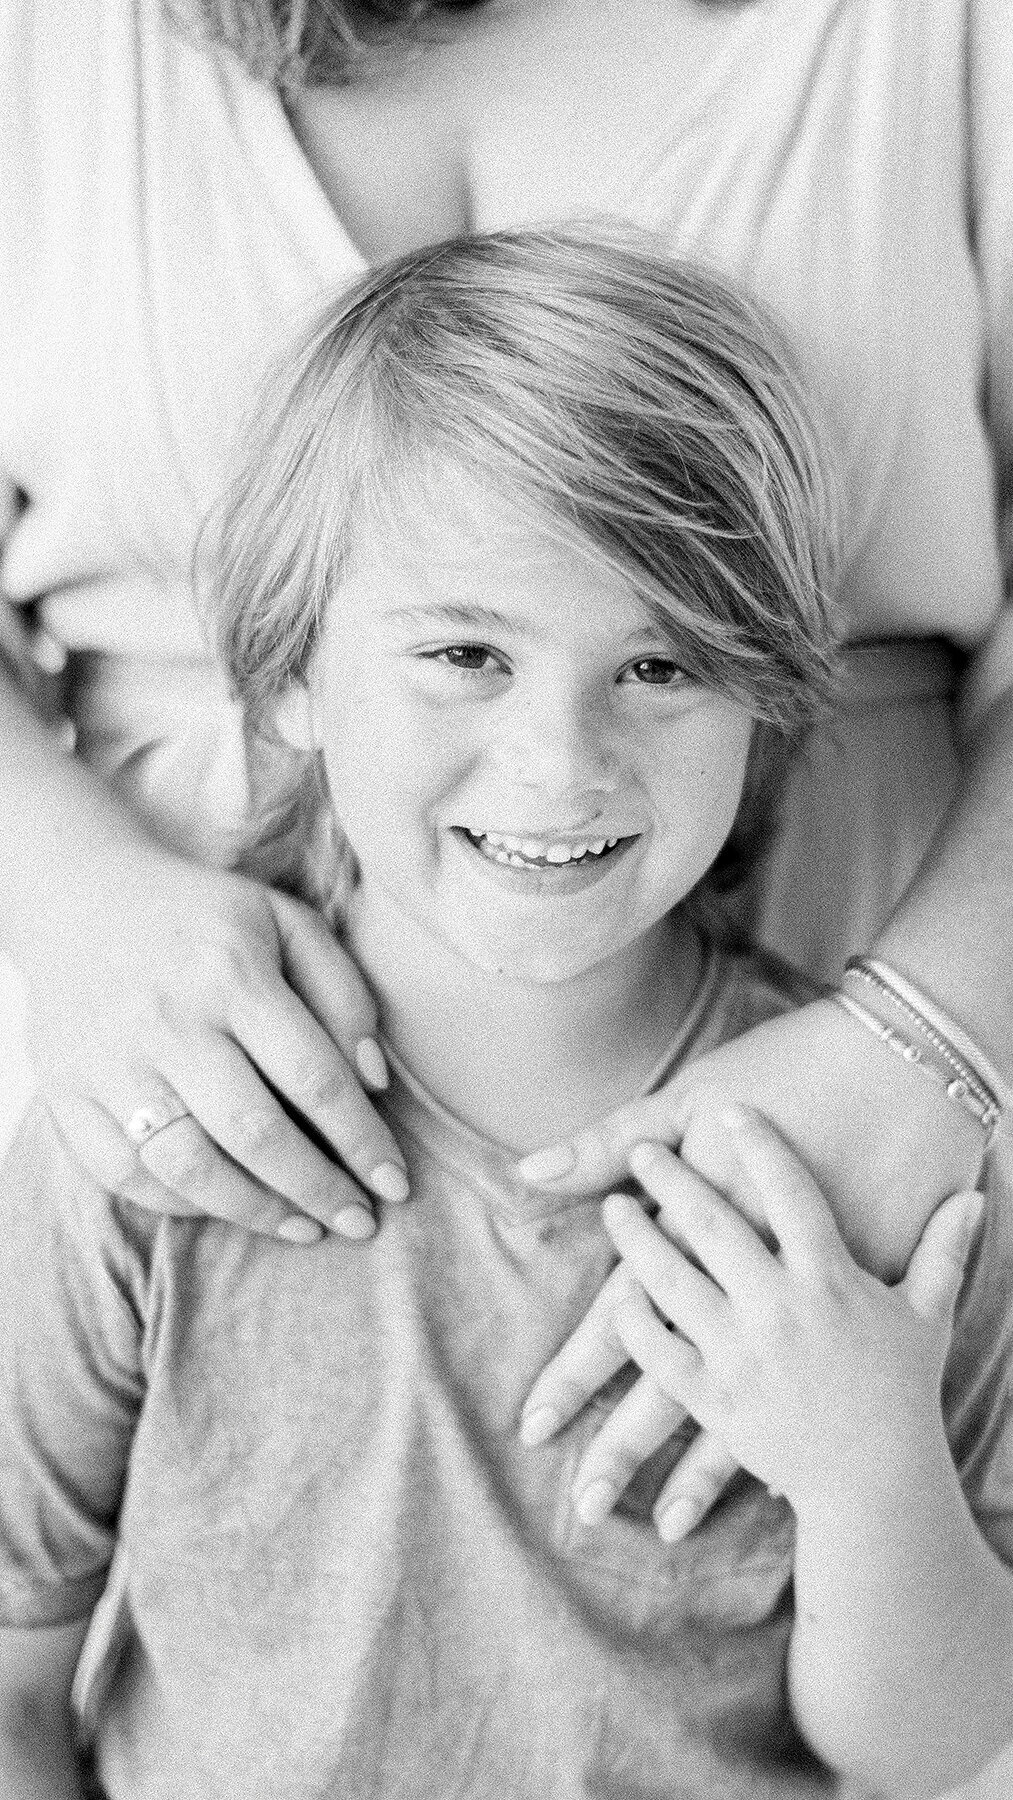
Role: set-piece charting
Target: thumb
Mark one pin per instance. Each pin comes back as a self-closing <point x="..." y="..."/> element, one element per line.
<point x="936" y="1270"/>
<point x="598" y="1156"/>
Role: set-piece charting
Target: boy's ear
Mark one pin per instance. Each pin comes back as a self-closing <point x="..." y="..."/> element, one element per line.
<point x="293" y="716"/>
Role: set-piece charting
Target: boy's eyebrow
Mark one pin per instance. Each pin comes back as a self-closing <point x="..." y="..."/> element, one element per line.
<point x="472" y="613"/>
<point x="455" y="612"/>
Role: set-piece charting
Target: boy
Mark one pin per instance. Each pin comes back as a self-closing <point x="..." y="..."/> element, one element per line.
<point x="523" y="583"/>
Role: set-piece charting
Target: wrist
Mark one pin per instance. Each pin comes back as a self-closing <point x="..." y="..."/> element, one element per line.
<point x="978" y="997"/>
<point x="910" y="1025"/>
<point x="877" y="1487"/>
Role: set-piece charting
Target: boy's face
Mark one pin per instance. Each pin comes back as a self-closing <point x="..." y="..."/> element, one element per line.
<point x="492" y="710"/>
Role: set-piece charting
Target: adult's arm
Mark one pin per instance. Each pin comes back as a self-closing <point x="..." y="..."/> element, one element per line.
<point x="153" y="980"/>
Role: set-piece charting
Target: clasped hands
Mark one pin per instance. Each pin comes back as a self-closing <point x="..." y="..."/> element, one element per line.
<point x="746" y="1310"/>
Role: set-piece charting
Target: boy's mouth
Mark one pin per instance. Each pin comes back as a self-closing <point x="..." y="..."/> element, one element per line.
<point x="540" y="853"/>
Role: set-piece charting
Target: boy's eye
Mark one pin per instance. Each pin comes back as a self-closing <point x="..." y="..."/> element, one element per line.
<point x="471" y="658"/>
<point x="655" y="671"/>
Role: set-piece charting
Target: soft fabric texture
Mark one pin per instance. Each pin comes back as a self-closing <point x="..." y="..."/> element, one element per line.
<point x="342" y="1574"/>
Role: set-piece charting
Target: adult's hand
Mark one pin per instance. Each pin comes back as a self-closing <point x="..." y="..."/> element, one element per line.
<point x="883" y="1143"/>
<point x="175" y="986"/>
<point x="157" y="984"/>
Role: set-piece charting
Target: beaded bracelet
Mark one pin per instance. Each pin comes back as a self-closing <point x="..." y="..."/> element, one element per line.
<point x="941" y="1022"/>
<point x="932" y="1050"/>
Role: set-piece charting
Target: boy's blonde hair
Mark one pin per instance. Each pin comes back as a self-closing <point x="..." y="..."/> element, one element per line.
<point x="638" y="408"/>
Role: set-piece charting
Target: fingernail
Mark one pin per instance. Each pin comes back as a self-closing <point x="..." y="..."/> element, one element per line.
<point x="539" y="1425"/>
<point x="596" y="1502"/>
<point x="647" y="1157"/>
<point x="546" y="1165"/>
<point x="372" y="1064"/>
<point x="390" y="1182"/>
<point x="618" y="1203"/>
<point x="678" y="1520"/>
<point x="297" y="1230"/>
<point x="354" y="1222"/>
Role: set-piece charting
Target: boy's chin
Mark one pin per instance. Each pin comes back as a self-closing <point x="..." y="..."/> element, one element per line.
<point x="531" y="964"/>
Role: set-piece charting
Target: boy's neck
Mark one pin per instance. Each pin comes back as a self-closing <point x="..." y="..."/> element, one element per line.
<point x="523" y="1062"/>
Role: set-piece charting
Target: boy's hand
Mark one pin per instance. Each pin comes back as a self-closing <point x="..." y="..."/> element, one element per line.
<point x="799" y="1363"/>
<point x="814" y="1072"/>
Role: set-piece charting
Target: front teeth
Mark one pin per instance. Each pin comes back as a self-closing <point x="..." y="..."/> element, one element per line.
<point x="520" y="853"/>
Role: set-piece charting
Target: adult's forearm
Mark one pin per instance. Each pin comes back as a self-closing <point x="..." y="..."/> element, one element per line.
<point x="901" y="1662"/>
<point x="952" y="933"/>
<point x="56" y="817"/>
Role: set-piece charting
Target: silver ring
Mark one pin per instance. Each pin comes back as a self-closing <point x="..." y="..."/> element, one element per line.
<point x="158" y="1115"/>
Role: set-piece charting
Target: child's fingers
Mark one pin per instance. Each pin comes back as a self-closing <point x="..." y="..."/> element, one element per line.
<point x="936" y="1270"/>
<point x="643" y="1420"/>
<point x="684" y="1295"/>
<point x="673" y="1362"/>
<point x="591" y="1355"/>
<point x="701" y="1221"/>
<point x="766" y="1179"/>
<point x="698" y="1479"/>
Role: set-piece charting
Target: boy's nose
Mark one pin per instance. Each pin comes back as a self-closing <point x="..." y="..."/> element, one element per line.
<point x="560" y="747"/>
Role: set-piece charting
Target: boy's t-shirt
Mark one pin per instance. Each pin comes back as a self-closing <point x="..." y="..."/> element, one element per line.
<point x="342" y="1573"/>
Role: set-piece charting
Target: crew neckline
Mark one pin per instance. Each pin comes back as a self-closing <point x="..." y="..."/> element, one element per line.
<point x="488" y="1165"/>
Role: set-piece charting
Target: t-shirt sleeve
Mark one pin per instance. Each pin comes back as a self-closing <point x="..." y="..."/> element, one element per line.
<point x="978" y="1381"/>
<point x="73" y="1277"/>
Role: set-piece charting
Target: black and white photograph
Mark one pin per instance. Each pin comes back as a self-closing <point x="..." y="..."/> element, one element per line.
<point x="506" y="899"/>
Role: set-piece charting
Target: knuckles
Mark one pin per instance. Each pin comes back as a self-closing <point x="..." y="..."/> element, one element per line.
<point x="256" y="1128"/>
<point x="319" y="1089"/>
<point x="184" y="1158"/>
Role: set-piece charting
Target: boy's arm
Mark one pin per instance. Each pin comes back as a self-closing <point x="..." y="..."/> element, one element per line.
<point x="37" y="1667"/>
<point x="825" y="1384"/>
<point x="74" y="1281"/>
<point x="901" y="1662"/>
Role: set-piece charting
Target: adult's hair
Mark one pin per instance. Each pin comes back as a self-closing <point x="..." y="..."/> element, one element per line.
<point x="298" y="42"/>
<point x="293" y="42"/>
<point x="639" y="409"/>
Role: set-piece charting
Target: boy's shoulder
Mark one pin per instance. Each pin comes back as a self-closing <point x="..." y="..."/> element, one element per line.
<point x="48" y="1199"/>
<point x="742" y="987"/>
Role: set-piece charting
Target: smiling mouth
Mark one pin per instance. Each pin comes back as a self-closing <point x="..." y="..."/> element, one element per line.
<point x="534" y="853"/>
